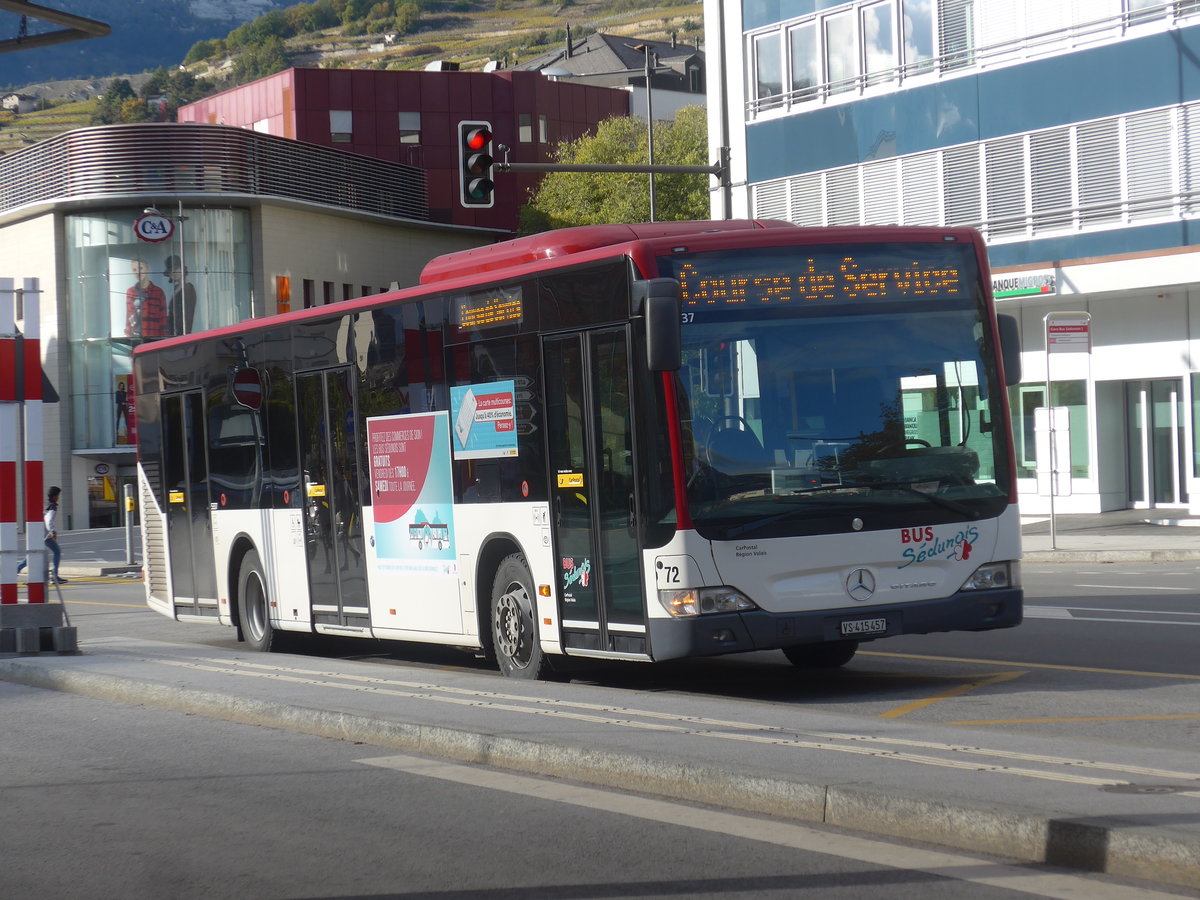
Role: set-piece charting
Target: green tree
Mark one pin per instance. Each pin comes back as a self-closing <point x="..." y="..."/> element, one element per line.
<point x="585" y="198"/>
<point x="108" y="107"/>
<point x="408" y="17"/>
<point x="356" y="11"/>
<point x="204" y="50"/>
<point x="258" y="62"/>
<point x="176" y="87"/>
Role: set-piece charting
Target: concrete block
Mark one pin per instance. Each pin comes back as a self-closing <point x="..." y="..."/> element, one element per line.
<point x="66" y="640"/>
<point x="29" y="639"/>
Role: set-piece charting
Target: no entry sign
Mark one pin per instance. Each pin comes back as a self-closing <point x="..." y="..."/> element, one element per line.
<point x="247" y="388"/>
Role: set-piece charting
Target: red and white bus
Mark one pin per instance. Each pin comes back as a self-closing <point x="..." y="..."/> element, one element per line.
<point x="638" y="442"/>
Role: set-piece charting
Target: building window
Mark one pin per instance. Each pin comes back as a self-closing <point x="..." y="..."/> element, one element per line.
<point x="695" y="85"/>
<point x="918" y="37"/>
<point x="327" y="293"/>
<point x="310" y="293"/>
<point x="341" y="126"/>
<point x="768" y="75"/>
<point x="347" y="292"/>
<point x="879" y="41"/>
<point x="410" y="128"/>
<point x="806" y="61"/>
<point x="840" y="65"/>
<point x="122" y="292"/>
<point x="542" y="130"/>
<point x="525" y="128"/>
<point x="283" y="293"/>
<point x="956" y="30"/>
<point x="1024" y="399"/>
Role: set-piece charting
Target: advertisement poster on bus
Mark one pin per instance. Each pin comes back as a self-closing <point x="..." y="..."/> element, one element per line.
<point x="485" y="420"/>
<point x="412" y="493"/>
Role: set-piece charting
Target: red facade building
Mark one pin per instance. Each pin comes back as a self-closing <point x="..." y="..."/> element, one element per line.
<point x="413" y="118"/>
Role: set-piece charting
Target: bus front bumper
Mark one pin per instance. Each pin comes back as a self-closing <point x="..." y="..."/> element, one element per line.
<point x="759" y="630"/>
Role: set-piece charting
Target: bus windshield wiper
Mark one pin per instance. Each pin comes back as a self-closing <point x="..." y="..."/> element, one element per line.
<point x="932" y="498"/>
<point x="954" y="505"/>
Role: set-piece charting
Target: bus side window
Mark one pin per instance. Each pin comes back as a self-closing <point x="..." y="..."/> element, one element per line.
<point x="492" y="479"/>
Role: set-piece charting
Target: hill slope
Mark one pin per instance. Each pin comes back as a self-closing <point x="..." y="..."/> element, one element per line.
<point x="145" y="35"/>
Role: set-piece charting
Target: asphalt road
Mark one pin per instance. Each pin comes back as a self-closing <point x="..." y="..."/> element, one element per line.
<point x="108" y="800"/>
<point x="1107" y="651"/>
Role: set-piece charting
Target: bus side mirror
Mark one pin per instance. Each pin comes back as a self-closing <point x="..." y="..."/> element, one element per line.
<point x="1010" y="348"/>
<point x="657" y="299"/>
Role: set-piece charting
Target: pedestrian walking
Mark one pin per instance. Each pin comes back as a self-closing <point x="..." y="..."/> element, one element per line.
<point x="50" y="519"/>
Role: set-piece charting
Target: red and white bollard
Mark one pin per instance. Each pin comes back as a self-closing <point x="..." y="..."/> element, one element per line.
<point x="22" y="625"/>
<point x="10" y="430"/>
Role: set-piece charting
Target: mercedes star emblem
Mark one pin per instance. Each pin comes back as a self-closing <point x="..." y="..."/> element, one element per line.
<point x="860" y="584"/>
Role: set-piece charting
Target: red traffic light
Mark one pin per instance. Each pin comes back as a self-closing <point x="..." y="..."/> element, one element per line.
<point x="475" y="164"/>
<point x="477" y="138"/>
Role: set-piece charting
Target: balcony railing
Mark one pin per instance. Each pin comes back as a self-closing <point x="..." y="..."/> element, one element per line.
<point x="170" y="159"/>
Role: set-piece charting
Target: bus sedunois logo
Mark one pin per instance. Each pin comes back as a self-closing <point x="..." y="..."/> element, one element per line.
<point x="860" y="584"/>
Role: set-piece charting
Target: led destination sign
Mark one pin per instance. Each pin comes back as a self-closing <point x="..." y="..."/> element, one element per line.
<point x="801" y="279"/>
<point x="487" y="309"/>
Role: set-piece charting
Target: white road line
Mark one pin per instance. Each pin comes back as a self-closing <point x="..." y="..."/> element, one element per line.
<point x="958" y="757"/>
<point x="1047" y="612"/>
<point x="1074" y="613"/>
<point x="1038" y="881"/>
<point x="1144" y="612"/>
<point x="1135" y="587"/>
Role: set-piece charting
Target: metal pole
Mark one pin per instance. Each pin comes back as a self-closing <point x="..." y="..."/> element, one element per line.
<point x="129" y="508"/>
<point x="650" y="125"/>
<point x="183" y="323"/>
<point x="1053" y="454"/>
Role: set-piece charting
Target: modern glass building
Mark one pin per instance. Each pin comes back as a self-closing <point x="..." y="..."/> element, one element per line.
<point x="1067" y="131"/>
<point x="137" y="232"/>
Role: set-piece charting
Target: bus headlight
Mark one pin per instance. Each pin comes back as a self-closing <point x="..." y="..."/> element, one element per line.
<point x="992" y="576"/>
<point x="705" y="600"/>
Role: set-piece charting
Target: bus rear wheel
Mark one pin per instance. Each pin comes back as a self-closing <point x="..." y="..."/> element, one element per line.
<point x="514" y="627"/>
<point x="829" y="655"/>
<point x="254" y="608"/>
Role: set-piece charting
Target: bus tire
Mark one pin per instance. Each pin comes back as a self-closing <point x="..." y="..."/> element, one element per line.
<point x="514" y="626"/>
<point x="828" y="655"/>
<point x="254" y="607"/>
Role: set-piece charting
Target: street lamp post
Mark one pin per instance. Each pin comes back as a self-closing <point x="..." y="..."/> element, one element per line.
<point x="649" y="52"/>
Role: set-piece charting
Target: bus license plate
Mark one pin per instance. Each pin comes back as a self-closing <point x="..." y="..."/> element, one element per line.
<point x="864" y="626"/>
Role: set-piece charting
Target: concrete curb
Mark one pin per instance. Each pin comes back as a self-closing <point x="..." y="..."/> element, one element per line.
<point x="1114" y="847"/>
<point x="1110" y="555"/>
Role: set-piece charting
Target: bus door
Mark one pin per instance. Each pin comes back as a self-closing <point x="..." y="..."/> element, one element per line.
<point x="592" y="488"/>
<point x="189" y="515"/>
<point x="332" y="515"/>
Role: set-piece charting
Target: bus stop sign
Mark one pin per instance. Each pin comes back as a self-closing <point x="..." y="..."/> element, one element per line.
<point x="247" y="388"/>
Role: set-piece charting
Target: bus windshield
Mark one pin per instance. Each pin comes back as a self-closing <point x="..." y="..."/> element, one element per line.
<point x="837" y="388"/>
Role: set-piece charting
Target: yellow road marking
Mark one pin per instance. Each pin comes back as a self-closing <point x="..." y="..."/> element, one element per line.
<point x="1051" y="721"/>
<point x="956" y="691"/>
<point x="1029" y="665"/>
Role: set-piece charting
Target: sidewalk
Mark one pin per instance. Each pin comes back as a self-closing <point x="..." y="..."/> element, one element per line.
<point x="1126" y="810"/>
<point x="1126" y="535"/>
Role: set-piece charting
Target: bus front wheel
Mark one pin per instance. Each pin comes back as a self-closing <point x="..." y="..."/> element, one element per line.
<point x="829" y="655"/>
<point x="254" y="610"/>
<point x="514" y="626"/>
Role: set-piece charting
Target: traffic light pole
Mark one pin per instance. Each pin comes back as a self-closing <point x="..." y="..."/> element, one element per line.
<point x="719" y="169"/>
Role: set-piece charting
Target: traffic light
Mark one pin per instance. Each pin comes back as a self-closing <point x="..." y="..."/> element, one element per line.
<point x="475" y="164"/>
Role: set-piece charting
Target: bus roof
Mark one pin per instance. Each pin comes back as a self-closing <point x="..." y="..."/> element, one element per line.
<point x="566" y="241"/>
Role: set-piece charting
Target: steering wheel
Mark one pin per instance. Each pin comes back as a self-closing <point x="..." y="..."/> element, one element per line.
<point x="722" y="423"/>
